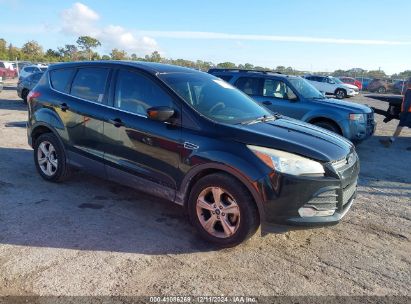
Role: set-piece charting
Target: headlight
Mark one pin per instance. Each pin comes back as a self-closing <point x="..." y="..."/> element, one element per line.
<point x="357" y="117"/>
<point x="287" y="162"/>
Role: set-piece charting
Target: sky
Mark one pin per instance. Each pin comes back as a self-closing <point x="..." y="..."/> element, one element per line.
<point x="309" y="35"/>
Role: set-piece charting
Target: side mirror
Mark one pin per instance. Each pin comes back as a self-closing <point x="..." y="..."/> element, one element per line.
<point x="162" y="113"/>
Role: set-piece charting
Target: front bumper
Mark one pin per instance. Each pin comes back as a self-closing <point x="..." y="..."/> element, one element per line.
<point x="284" y="195"/>
<point x="352" y="93"/>
<point x="359" y="131"/>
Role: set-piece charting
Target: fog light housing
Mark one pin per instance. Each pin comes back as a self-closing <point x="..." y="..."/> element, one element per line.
<point x="310" y="212"/>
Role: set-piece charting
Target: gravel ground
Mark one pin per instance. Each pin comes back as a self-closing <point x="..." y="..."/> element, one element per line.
<point x="91" y="237"/>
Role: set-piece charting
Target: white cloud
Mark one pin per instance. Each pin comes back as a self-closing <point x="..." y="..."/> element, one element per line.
<point x="81" y="20"/>
<point x="302" y="39"/>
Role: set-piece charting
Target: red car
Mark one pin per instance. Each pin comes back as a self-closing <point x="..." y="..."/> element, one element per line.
<point x="352" y="81"/>
<point x="6" y="71"/>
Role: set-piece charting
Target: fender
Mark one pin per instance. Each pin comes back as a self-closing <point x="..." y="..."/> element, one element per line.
<point x="330" y="116"/>
<point x="48" y="117"/>
<point x="247" y="180"/>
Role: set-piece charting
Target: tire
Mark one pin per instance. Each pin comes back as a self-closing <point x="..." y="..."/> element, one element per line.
<point x="340" y="94"/>
<point x="381" y="90"/>
<point x="328" y="126"/>
<point x="24" y="95"/>
<point x="56" y="160"/>
<point x="230" y="228"/>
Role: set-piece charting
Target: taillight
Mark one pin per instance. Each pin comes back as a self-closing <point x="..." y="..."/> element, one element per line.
<point x="32" y="95"/>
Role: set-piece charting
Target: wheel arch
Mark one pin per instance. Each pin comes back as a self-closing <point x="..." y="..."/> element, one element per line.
<point x="316" y="119"/>
<point x="201" y="171"/>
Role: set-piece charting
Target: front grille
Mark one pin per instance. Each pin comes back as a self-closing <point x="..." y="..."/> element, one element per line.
<point x="348" y="192"/>
<point x="324" y="201"/>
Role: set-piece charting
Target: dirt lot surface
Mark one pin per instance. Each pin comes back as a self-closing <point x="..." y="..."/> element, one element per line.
<point x="90" y="237"/>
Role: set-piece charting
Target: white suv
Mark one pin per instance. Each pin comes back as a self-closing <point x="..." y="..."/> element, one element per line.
<point x="333" y="86"/>
<point x="30" y="69"/>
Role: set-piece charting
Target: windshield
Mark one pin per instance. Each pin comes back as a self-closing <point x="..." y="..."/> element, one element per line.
<point x="336" y="80"/>
<point x="214" y="98"/>
<point x="305" y="89"/>
<point x="43" y="69"/>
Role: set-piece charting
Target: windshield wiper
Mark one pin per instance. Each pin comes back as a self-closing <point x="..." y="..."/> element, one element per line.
<point x="263" y="118"/>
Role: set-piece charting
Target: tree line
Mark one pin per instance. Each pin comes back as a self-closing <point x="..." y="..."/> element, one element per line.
<point x="84" y="49"/>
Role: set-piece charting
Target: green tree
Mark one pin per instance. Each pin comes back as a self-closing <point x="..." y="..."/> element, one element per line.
<point x="13" y="52"/>
<point x="117" y="54"/>
<point x="52" y="55"/>
<point x="134" y="57"/>
<point x="87" y="43"/>
<point x="376" y="74"/>
<point x="226" y="65"/>
<point x="32" y="50"/>
<point x="69" y="52"/>
<point x="105" y="57"/>
<point x="3" y="49"/>
<point x="154" y="57"/>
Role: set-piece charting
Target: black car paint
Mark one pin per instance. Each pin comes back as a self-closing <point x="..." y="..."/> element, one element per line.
<point x="165" y="158"/>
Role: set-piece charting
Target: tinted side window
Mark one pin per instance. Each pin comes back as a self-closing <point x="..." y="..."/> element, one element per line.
<point x="277" y="89"/>
<point x="90" y="84"/>
<point x="226" y="78"/>
<point x="2" y="65"/>
<point x="249" y="85"/>
<point x="60" y="79"/>
<point x="29" y="69"/>
<point x="136" y="93"/>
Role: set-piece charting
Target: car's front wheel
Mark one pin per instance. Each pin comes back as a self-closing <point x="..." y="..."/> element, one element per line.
<point x="50" y="158"/>
<point x="340" y="94"/>
<point x="222" y="210"/>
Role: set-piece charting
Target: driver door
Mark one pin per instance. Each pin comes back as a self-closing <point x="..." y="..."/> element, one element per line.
<point x="141" y="152"/>
<point x="277" y="96"/>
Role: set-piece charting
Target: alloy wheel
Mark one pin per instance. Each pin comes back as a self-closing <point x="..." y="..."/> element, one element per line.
<point x="47" y="158"/>
<point x="218" y="212"/>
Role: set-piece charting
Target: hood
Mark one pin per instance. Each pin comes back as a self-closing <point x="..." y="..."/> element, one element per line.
<point x="293" y="136"/>
<point x="344" y="105"/>
<point x="350" y="86"/>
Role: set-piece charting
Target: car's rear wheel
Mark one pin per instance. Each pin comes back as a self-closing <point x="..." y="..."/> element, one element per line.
<point x="381" y="90"/>
<point x="24" y="95"/>
<point x="222" y="210"/>
<point x="50" y="158"/>
<point x="340" y="94"/>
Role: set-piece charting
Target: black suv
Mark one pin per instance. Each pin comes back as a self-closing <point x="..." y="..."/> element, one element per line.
<point x="193" y="139"/>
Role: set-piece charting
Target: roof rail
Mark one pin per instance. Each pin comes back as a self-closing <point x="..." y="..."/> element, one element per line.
<point x="242" y="70"/>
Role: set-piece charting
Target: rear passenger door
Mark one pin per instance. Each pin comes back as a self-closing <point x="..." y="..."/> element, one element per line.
<point x="141" y="152"/>
<point x="83" y="109"/>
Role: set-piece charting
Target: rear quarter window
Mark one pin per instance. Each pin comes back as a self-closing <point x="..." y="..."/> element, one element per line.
<point x="60" y="79"/>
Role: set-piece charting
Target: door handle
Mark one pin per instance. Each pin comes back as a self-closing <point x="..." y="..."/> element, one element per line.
<point x="64" y="107"/>
<point x="267" y="103"/>
<point x="116" y="122"/>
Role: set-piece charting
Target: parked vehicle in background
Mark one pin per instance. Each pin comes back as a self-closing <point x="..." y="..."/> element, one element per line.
<point x="30" y="69"/>
<point x="352" y="81"/>
<point x="191" y="138"/>
<point x="332" y="86"/>
<point x="364" y="82"/>
<point x="399" y="87"/>
<point x="22" y="64"/>
<point x="295" y="97"/>
<point x="380" y="86"/>
<point x="25" y="85"/>
<point x="7" y="70"/>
